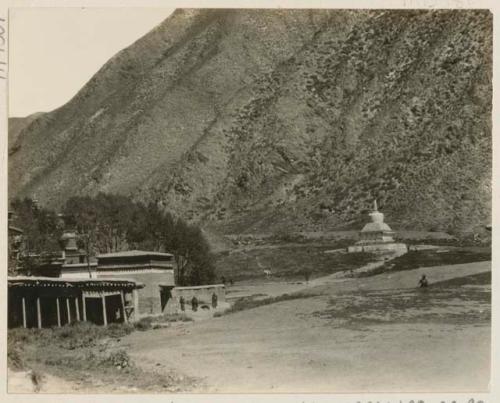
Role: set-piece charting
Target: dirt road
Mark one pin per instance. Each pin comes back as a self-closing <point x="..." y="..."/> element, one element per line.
<point x="438" y="341"/>
<point x="334" y="283"/>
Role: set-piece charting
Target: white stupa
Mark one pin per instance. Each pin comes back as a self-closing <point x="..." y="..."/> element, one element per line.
<point x="376" y="231"/>
<point x="376" y="236"/>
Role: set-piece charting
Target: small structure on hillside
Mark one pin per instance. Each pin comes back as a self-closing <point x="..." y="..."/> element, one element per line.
<point x="377" y="236"/>
<point x="47" y="301"/>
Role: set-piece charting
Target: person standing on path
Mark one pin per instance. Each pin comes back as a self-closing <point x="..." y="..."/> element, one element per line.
<point x="423" y="282"/>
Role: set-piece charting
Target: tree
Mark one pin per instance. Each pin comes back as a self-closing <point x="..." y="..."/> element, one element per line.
<point x="150" y="228"/>
<point x="195" y="262"/>
<point x="102" y="220"/>
<point x="41" y="232"/>
<point x="114" y="214"/>
<point x="80" y="215"/>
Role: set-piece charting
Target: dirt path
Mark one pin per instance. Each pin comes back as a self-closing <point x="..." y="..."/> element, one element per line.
<point x="401" y="279"/>
<point x="331" y="283"/>
<point x="288" y="347"/>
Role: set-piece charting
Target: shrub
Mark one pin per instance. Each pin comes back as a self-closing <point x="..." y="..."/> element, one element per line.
<point x="144" y="323"/>
<point x="70" y="337"/>
<point x="118" y="359"/>
<point x="117" y="330"/>
<point x="14" y="359"/>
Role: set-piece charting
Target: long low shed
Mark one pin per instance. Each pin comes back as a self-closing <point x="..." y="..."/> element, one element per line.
<point x="47" y="302"/>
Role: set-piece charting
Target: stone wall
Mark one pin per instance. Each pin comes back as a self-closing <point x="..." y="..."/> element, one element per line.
<point x="202" y="293"/>
<point x="149" y="296"/>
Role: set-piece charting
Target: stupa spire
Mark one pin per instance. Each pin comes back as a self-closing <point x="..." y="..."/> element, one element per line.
<point x="375" y="207"/>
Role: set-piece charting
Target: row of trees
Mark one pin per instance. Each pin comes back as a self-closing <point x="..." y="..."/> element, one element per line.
<point x="110" y="223"/>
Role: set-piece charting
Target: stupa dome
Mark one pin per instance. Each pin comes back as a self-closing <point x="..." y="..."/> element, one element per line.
<point x="376" y="226"/>
<point x="376" y="230"/>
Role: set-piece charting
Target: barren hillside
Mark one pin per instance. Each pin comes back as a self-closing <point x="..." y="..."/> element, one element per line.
<point x="266" y="120"/>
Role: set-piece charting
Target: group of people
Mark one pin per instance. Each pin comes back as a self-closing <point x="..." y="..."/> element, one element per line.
<point x="195" y="302"/>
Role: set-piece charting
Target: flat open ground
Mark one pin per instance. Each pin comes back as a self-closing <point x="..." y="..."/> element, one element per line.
<point x="372" y="334"/>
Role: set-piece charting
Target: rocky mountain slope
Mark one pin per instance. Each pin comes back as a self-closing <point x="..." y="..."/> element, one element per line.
<point x="16" y="125"/>
<point x="276" y="120"/>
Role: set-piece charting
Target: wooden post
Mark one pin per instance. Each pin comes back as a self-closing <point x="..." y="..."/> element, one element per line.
<point x="58" y="312"/>
<point x="77" y="309"/>
<point x="104" y="316"/>
<point x="23" y="301"/>
<point x="125" y="319"/>
<point x="69" y="311"/>
<point x="38" y="313"/>
<point x="84" y="309"/>
<point x="136" y="304"/>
